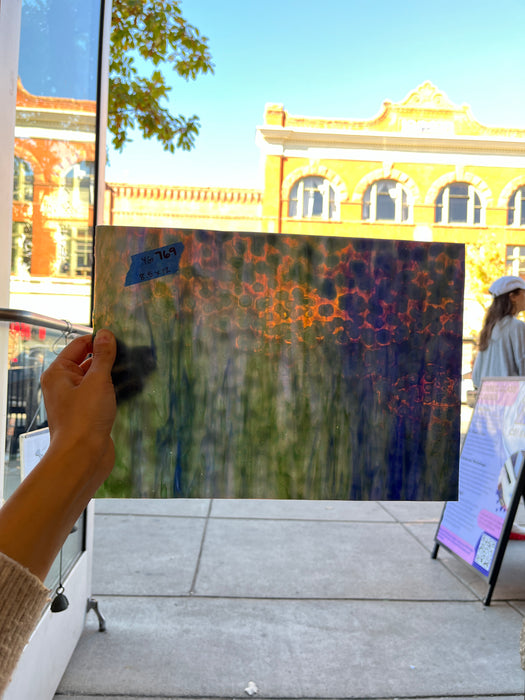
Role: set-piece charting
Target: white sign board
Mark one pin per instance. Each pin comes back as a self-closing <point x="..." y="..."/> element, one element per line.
<point x="33" y="446"/>
<point x="490" y="466"/>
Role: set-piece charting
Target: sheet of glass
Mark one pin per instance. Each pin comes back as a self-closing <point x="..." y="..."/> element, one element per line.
<point x="280" y="366"/>
<point x="490" y="464"/>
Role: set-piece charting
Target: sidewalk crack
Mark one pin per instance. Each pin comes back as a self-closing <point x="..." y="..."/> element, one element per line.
<point x="198" y="565"/>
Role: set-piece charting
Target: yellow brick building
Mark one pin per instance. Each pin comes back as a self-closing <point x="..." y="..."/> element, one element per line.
<point x="422" y="169"/>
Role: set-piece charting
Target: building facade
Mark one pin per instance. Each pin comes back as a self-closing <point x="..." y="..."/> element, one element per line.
<point x="226" y="209"/>
<point x="423" y="169"/>
<point x="53" y="197"/>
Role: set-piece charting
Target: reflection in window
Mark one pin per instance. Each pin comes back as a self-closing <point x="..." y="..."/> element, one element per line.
<point x="75" y="251"/>
<point x="312" y="197"/>
<point x="80" y="185"/>
<point x="23" y="181"/>
<point x="385" y="200"/>
<point x="22" y="245"/>
<point x="516" y="208"/>
<point x="516" y="260"/>
<point x="458" y="203"/>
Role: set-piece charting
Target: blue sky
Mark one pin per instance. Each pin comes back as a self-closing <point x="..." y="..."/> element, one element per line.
<point x="58" y="47"/>
<point x="338" y="58"/>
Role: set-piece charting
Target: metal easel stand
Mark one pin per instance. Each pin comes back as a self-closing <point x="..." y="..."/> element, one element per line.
<point x="92" y="604"/>
<point x="503" y="539"/>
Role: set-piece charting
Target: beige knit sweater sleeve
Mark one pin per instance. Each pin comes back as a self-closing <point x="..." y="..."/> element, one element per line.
<point x="22" y="598"/>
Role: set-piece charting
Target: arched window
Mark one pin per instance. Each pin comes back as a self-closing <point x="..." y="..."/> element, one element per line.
<point x="75" y="251"/>
<point x="313" y="197"/>
<point x="21" y="248"/>
<point x="516" y="260"/>
<point x="458" y="203"/>
<point x="80" y="184"/>
<point x="385" y="200"/>
<point x="516" y="208"/>
<point x="23" y="181"/>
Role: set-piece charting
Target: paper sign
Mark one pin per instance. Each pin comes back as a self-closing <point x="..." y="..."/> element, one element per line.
<point x="490" y="464"/>
<point x="33" y="447"/>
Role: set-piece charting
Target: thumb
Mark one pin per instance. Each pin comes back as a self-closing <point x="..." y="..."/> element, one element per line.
<point x="104" y="351"/>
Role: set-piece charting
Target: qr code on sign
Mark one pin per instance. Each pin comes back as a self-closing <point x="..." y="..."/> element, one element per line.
<point x="485" y="551"/>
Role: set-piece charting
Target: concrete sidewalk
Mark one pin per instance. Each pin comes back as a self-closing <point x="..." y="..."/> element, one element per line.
<point x="303" y="599"/>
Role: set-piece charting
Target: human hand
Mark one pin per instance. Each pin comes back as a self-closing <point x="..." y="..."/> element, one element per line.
<point x="80" y="399"/>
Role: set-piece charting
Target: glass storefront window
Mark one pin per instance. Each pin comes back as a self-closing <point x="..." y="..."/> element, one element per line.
<point x="22" y="243"/>
<point x="23" y="181"/>
<point x="76" y="252"/>
<point x="53" y="207"/>
<point x="31" y="349"/>
<point x="55" y="154"/>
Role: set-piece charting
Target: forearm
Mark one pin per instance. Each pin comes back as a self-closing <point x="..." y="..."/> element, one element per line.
<point x="46" y="505"/>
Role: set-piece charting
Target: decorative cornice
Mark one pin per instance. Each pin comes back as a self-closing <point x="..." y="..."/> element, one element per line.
<point x="197" y="194"/>
<point x="55" y="104"/>
<point x="55" y="125"/>
<point x="425" y="115"/>
<point x="427" y="96"/>
<point x="277" y="141"/>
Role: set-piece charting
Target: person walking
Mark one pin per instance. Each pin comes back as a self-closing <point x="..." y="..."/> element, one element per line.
<point x="501" y="349"/>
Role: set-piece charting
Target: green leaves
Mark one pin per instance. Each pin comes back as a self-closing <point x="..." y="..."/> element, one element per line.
<point x="153" y="33"/>
<point x="485" y="260"/>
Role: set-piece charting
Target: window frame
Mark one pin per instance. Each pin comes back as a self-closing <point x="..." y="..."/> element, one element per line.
<point x="23" y="181"/>
<point x="21" y="248"/>
<point x="516" y="205"/>
<point x="515" y="259"/>
<point x="300" y="200"/>
<point x="403" y="210"/>
<point x="474" y="206"/>
<point x="78" y="181"/>
<point x="75" y="242"/>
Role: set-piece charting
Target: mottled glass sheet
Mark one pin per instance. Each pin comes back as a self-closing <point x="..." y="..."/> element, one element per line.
<point x="282" y="366"/>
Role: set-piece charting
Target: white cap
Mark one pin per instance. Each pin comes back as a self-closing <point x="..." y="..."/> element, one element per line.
<point x="506" y="284"/>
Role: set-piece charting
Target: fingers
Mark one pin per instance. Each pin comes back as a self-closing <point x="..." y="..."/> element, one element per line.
<point x="104" y="352"/>
<point x="79" y="394"/>
<point x="75" y="360"/>
<point x="76" y="350"/>
<point x="70" y="358"/>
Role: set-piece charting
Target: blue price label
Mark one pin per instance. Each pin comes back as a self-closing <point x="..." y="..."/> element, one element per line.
<point x="154" y="263"/>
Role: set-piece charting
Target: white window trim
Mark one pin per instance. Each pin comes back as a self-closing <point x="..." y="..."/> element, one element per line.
<point x="324" y="188"/>
<point x="519" y="203"/>
<point x="398" y="205"/>
<point x="515" y="255"/>
<point x="471" y="202"/>
<point x="68" y="241"/>
<point x="20" y="170"/>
